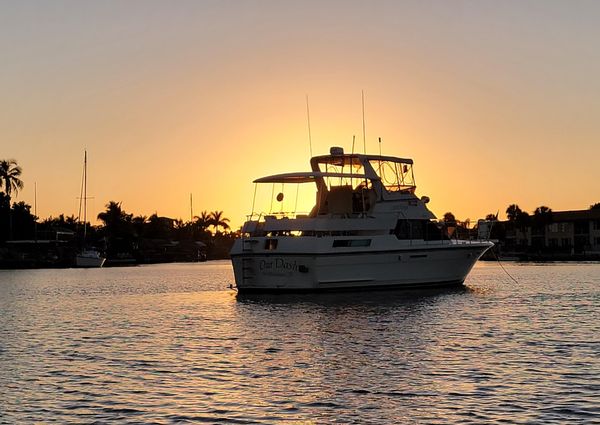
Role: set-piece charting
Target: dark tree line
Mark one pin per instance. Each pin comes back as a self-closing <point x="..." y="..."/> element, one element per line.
<point x="120" y="234"/>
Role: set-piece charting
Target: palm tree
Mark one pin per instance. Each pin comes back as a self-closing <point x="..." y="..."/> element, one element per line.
<point x="138" y="224"/>
<point x="116" y="221"/>
<point x="542" y="215"/>
<point x="202" y="221"/>
<point x="9" y="177"/>
<point x="217" y="219"/>
<point x="512" y="212"/>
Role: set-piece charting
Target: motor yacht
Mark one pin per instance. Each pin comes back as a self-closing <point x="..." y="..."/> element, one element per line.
<point x="367" y="229"/>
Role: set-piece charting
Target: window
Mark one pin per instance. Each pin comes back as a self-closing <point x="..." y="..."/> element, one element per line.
<point x="553" y="242"/>
<point x="582" y="227"/>
<point x="347" y="243"/>
<point x="566" y="242"/>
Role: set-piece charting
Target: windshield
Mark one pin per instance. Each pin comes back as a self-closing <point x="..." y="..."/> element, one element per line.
<point x="395" y="176"/>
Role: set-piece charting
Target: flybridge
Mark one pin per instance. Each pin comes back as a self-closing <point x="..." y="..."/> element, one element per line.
<point x="347" y="186"/>
<point x="394" y="173"/>
<point x="390" y="173"/>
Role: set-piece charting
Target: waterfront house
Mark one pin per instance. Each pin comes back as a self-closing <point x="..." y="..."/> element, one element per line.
<point x="561" y="233"/>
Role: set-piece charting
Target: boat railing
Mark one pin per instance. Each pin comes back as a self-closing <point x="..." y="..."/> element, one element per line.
<point x="263" y="216"/>
<point x="461" y="234"/>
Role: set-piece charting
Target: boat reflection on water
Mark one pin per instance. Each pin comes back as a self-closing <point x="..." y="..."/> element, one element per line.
<point x="380" y="298"/>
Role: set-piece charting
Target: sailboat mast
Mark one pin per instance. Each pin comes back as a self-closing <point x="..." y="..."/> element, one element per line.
<point x="84" y="195"/>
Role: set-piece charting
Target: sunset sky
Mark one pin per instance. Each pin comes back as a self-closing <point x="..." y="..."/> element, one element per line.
<point x="497" y="102"/>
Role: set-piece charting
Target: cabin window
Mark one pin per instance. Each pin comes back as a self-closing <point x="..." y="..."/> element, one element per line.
<point x="347" y="243"/>
<point x="419" y="229"/>
<point x="270" y="244"/>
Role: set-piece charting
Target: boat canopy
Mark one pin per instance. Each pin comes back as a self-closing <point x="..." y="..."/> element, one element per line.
<point x="354" y="159"/>
<point x="308" y="177"/>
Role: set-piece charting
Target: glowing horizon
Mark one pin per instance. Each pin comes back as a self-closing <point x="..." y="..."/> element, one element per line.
<point x="494" y="106"/>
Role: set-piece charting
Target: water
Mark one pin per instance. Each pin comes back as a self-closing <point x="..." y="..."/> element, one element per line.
<point x="170" y="344"/>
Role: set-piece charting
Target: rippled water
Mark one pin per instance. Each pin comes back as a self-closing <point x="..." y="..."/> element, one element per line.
<point x="170" y="343"/>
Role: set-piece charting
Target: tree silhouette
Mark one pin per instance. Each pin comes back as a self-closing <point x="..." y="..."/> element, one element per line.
<point x="449" y="218"/>
<point x="217" y="219"/>
<point x="542" y="210"/>
<point x="9" y="178"/>
<point x="202" y="221"/>
<point x="138" y="223"/>
<point x="116" y="221"/>
<point x="118" y="229"/>
<point x="159" y="227"/>
<point x="595" y="206"/>
<point x="522" y="220"/>
<point x="542" y="216"/>
<point x="512" y="212"/>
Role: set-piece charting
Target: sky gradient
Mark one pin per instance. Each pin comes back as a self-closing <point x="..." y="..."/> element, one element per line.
<point x="497" y="102"/>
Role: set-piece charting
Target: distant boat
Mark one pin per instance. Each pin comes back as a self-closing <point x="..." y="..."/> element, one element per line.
<point x="367" y="230"/>
<point x="87" y="257"/>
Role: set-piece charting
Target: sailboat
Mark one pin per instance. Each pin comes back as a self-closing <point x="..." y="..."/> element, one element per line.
<point x="87" y="257"/>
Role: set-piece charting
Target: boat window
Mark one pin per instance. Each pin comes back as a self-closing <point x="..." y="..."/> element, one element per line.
<point x="343" y="166"/>
<point x="339" y="243"/>
<point x="419" y="229"/>
<point x="395" y="176"/>
<point x="270" y="244"/>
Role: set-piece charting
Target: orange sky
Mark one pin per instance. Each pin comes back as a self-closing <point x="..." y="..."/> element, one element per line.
<point x="497" y="102"/>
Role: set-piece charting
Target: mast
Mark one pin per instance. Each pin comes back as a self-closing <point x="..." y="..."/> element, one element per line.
<point x="363" y="122"/>
<point x="84" y="196"/>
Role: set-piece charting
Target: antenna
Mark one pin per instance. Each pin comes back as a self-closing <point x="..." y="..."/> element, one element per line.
<point x="380" y="156"/>
<point x="191" y="208"/>
<point x="362" y="92"/>
<point x="308" y="119"/>
<point x="353" y="139"/>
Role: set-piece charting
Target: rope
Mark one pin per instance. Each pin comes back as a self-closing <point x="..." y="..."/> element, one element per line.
<point x="502" y="267"/>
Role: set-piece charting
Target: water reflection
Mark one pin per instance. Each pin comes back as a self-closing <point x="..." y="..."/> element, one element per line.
<point x="389" y="298"/>
<point x="171" y="344"/>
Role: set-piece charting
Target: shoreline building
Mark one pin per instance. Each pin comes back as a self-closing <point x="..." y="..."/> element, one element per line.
<point x="561" y="233"/>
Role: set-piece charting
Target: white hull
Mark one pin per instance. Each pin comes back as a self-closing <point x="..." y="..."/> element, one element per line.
<point x="83" y="261"/>
<point x="406" y="267"/>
